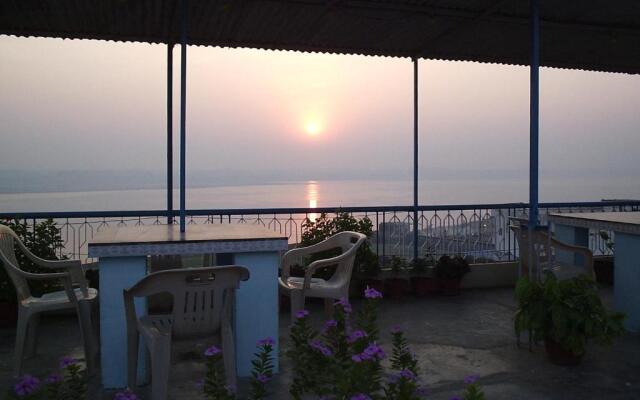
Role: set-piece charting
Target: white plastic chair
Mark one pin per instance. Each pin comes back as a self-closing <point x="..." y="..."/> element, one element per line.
<point x="71" y="273"/>
<point x="203" y="303"/>
<point x="336" y="287"/>
<point x="546" y="254"/>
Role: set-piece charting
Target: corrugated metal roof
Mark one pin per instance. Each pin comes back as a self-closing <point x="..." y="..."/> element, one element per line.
<point x="601" y="35"/>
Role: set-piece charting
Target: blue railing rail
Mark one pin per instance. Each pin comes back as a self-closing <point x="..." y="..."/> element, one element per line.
<point x="480" y="231"/>
<point x="317" y="210"/>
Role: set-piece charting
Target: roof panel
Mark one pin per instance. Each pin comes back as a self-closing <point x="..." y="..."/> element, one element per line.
<point x="581" y="34"/>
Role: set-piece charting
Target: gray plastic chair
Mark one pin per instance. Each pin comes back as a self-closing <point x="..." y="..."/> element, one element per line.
<point x="203" y="304"/>
<point x="71" y="273"/>
<point x="332" y="289"/>
<point x="547" y="250"/>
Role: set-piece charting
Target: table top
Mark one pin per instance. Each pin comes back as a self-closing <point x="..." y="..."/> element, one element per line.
<point x="198" y="239"/>
<point x="625" y="222"/>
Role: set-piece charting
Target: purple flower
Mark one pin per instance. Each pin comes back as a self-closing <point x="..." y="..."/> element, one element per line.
<point x="396" y="329"/>
<point x="266" y="342"/>
<point x="330" y="324"/>
<point x="356" y="335"/>
<point x="468" y="380"/>
<point x="321" y="347"/>
<point x="262" y="378"/>
<point x="125" y="395"/>
<point x="371" y="293"/>
<point x="360" y="396"/>
<point x="26" y="385"/>
<point x="67" y="361"/>
<point x="53" y="378"/>
<point x="356" y="358"/>
<point x="373" y="351"/>
<point x="212" y="351"/>
<point x="301" y="314"/>
<point x="344" y="303"/>
<point x="408" y="375"/>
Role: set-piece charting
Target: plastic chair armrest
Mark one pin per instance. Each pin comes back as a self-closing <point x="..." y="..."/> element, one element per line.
<point x="311" y="269"/>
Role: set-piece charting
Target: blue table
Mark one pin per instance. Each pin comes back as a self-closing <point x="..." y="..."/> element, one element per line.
<point x="123" y="252"/>
<point x="574" y="228"/>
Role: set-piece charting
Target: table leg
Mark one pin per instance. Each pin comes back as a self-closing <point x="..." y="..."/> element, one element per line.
<point x="626" y="296"/>
<point x="116" y="274"/>
<point x="256" y="307"/>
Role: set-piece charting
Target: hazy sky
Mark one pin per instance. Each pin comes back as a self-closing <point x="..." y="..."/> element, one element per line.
<point x="101" y="106"/>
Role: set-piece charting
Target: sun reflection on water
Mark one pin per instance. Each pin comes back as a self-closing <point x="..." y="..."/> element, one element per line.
<point x="312" y="197"/>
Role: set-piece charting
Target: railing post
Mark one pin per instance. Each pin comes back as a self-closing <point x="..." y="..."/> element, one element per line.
<point x="170" y="133"/>
<point x="534" y="88"/>
<point x="183" y="110"/>
<point x="415" y="158"/>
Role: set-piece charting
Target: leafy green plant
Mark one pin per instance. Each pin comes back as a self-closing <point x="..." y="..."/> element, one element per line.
<point x="420" y="265"/>
<point x="215" y="387"/>
<point x="449" y="267"/>
<point x="607" y="240"/>
<point x="367" y="263"/>
<point x="44" y="240"/>
<point x="472" y="391"/>
<point x="397" y="265"/>
<point x="568" y="312"/>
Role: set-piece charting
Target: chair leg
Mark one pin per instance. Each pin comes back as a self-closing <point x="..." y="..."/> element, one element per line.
<point x="229" y="357"/>
<point x="21" y="333"/>
<point x="132" y="360"/>
<point x="32" y="336"/>
<point x="160" y="366"/>
<point x="87" y="336"/>
<point x="297" y="304"/>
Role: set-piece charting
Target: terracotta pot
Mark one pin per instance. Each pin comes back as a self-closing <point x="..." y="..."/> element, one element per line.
<point x="560" y="356"/>
<point x="8" y="315"/>
<point x="423" y="286"/>
<point x="376" y="284"/>
<point x="396" y="288"/>
<point x="449" y="286"/>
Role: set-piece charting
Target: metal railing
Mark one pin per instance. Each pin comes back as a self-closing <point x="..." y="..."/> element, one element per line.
<point x="478" y="231"/>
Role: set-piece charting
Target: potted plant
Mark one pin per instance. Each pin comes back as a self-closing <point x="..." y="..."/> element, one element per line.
<point x="369" y="271"/>
<point x="449" y="271"/>
<point x="423" y="283"/>
<point x="396" y="286"/>
<point x="566" y="315"/>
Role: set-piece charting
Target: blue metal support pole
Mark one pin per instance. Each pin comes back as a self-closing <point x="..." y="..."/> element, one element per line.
<point x="170" y="133"/>
<point x="534" y="101"/>
<point x="415" y="158"/>
<point x="183" y="117"/>
<point x="534" y="113"/>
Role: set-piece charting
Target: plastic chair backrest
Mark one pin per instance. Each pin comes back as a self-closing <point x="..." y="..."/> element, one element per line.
<point x="349" y="242"/>
<point x="201" y="296"/>
<point x="8" y="239"/>
<point x="541" y="245"/>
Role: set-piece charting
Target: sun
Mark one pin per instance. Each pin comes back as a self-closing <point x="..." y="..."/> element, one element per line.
<point x="312" y="128"/>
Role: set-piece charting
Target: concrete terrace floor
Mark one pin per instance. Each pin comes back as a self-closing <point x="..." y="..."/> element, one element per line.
<point x="452" y="337"/>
